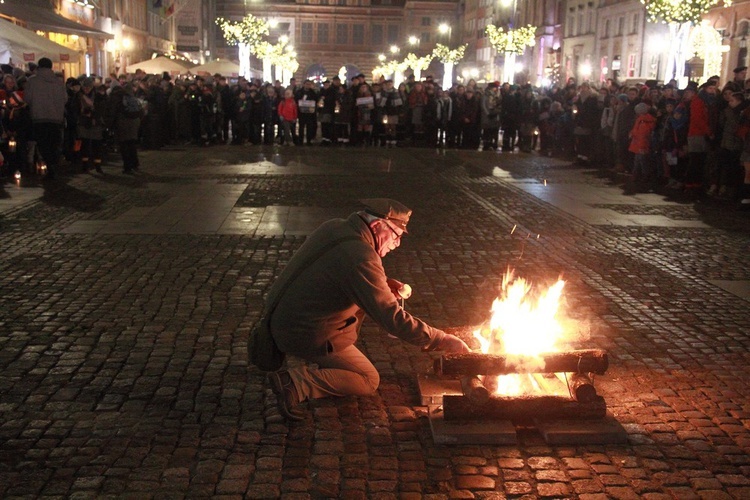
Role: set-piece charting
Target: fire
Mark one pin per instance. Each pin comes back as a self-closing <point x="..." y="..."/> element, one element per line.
<point x="523" y="323"/>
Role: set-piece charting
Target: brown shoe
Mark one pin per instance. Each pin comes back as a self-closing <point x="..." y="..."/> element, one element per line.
<point x="286" y="398"/>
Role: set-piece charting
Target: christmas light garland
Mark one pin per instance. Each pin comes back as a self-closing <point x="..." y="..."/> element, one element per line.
<point x="679" y="11"/>
<point x="445" y="55"/>
<point x="250" y="30"/>
<point x="417" y="63"/>
<point x="513" y="41"/>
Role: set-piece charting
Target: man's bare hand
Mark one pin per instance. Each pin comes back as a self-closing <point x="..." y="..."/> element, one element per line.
<point x="451" y="343"/>
<point x="399" y="290"/>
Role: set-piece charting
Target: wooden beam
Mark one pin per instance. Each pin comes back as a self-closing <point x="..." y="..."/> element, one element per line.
<point x="474" y="363"/>
<point x="524" y="408"/>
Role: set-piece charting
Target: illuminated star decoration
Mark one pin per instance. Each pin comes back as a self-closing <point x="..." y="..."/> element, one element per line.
<point x="679" y="11"/>
<point x="512" y="41"/>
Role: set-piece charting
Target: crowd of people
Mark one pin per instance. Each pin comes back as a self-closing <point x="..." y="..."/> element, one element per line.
<point x="694" y="139"/>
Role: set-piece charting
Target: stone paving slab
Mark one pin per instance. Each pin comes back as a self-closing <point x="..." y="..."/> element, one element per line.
<point x="123" y="353"/>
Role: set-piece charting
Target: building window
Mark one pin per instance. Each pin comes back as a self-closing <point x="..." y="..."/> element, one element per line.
<point x="426" y="21"/>
<point x="635" y="24"/>
<point x="322" y="33"/>
<point x="621" y="26"/>
<point x="306" y="33"/>
<point x="342" y="34"/>
<point x="358" y="34"/>
<point x="424" y="38"/>
<point x="570" y="25"/>
<point x="580" y="27"/>
<point x="393" y="33"/>
<point x="377" y="34"/>
<point x="631" y="65"/>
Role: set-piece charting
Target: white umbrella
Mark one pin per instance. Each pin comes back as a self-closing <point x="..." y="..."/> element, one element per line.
<point x="159" y="65"/>
<point x="220" y="66"/>
<point x="22" y="45"/>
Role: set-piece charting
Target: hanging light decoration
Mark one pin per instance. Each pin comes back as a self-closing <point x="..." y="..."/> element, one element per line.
<point x="513" y="41"/>
<point x="445" y="55"/>
<point x="679" y="11"/>
<point x="250" y="30"/>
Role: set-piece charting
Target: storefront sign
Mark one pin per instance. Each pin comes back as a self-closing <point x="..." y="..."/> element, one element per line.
<point x="189" y="27"/>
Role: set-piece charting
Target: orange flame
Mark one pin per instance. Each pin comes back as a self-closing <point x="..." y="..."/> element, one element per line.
<point x="522" y="323"/>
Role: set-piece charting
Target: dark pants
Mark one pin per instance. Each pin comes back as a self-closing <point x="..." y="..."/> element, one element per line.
<point x="308" y="127"/>
<point x="48" y="137"/>
<point x="129" y="153"/>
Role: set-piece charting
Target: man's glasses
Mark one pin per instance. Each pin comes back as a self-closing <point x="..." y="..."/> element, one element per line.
<point x="398" y="236"/>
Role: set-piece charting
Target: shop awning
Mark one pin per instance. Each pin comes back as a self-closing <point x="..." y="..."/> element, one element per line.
<point x="37" y="17"/>
<point x="22" y="45"/>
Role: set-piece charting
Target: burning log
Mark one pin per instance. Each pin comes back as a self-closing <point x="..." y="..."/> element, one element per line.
<point x="524" y="408"/>
<point x="581" y="387"/>
<point x="473" y="363"/>
<point x="474" y="389"/>
<point x="549" y="384"/>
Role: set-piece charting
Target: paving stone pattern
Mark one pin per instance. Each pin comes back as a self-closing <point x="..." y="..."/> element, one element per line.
<point x="123" y="357"/>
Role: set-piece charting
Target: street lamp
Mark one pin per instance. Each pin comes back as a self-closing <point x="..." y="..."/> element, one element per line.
<point x="413" y="40"/>
<point x="445" y="29"/>
<point x="394" y="49"/>
<point x="381" y="57"/>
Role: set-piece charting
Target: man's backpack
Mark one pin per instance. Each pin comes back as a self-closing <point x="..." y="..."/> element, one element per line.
<point x="131" y="106"/>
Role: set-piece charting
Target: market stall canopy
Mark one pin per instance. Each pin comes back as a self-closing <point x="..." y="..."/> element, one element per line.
<point x="22" y="45"/>
<point x="39" y="15"/>
<point x="159" y="65"/>
<point x="222" y="67"/>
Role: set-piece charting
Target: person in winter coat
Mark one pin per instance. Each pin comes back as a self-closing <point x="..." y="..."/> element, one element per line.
<point x="417" y="100"/>
<point x="701" y="132"/>
<point x="270" y="114"/>
<point x="470" y="120"/>
<point x="393" y="104"/>
<point x="510" y="116"/>
<point x="327" y="108"/>
<point x="528" y="122"/>
<point x="321" y="297"/>
<point x="730" y="172"/>
<point x="16" y="123"/>
<point x="586" y="121"/>
<point x="307" y="101"/>
<point x="365" y="105"/>
<point x="288" y="114"/>
<point x="641" y="137"/>
<point x="606" y="127"/>
<point x="92" y="107"/>
<point x="71" y="145"/>
<point x="124" y="119"/>
<point x="624" y="121"/>
<point x="444" y="114"/>
<point x="46" y="96"/>
<point x="490" y="117"/>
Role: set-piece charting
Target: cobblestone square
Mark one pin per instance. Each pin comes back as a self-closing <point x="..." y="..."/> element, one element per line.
<point x="127" y="301"/>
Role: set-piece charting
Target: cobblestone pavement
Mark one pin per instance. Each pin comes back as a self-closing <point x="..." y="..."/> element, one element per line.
<point x="127" y="300"/>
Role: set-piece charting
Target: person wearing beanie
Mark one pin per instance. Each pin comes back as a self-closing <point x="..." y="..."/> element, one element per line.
<point x="640" y="146"/>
